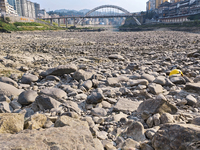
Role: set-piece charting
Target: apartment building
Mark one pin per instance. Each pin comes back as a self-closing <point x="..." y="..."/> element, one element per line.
<point x="6" y="8"/>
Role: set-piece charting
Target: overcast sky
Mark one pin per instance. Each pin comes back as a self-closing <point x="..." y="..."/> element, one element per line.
<point x="130" y="5"/>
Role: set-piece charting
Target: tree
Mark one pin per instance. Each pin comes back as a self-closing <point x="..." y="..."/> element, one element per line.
<point x="7" y="19"/>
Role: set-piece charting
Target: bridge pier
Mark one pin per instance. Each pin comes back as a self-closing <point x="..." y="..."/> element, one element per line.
<point x="59" y="22"/>
<point x="82" y="22"/>
<point x="74" y="22"/>
<point x="51" y="22"/>
<point x="66" y="22"/>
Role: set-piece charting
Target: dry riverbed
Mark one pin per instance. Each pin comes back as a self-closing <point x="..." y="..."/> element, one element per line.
<point x="99" y="90"/>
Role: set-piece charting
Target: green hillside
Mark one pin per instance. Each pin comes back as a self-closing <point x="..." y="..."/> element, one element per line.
<point x="22" y="26"/>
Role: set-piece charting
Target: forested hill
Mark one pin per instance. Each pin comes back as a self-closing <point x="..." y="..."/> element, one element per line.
<point x="65" y="12"/>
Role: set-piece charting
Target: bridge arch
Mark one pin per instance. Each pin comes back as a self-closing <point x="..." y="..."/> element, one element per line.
<point x="110" y="6"/>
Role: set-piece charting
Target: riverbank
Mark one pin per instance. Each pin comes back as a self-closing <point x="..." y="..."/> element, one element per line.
<point x="99" y="90"/>
<point x="193" y="26"/>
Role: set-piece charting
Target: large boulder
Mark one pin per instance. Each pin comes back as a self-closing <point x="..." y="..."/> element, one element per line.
<point x="8" y="90"/>
<point x="60" y="70"/>
<point x="177" y="136"/>
<point x="11" y="123"/>
<point x="157" y="106"/>
<point x="65" y="138"/>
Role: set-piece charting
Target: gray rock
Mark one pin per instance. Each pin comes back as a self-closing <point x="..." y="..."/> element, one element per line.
<point x="145" y="146"/>
<point x="8" y="81"/>
<point x="81" y="97"/>
<point x="150" y="122"/>
<point x="81" y="74"/>
<point x="4" y="98"/>
<point x="95" y="98"/>
<point x="100" y="112"/>
<point x="54" y="93"/>
<point x="46" y="102"/>
<point x="15" y="105"/>
<point x="178" y="80"/>
<point x="87" y="84"/>
<point x="136" y="131"/>
<point x="156" y="119"/>
<point x="133" y="66"/>
<point x="151" y="132"/>
<point x="105" y="104"/>
<point x="196" y="121"/>
<point x="72" y="106"/>
<point x="167" y="118"/>
<point x="191" y="100"/>
<point x="27" y="97"/>
<point x="52" y="78"/>
<point x="197" y="79"/>
<point x="157" y="106"/>
<point x="102" y="135"/>
<point x="155" y="88"/>
<point x="5" y="107"/>
<point x="126" y="105"/>
<point x="60" y="70"/>
<point x="137" y="82"/>
<point x="193" y="86"/>
<point x="8" y="90"/>
<point x="130" y="144"/>
<point x="180" y="136"/>
<point x="28" y="78"/>
<point x="28" y="112"/>
<point x="119" y="116"/>
<point x="168" y="82"/>
<point x="112" y="81"/>
<point x="116" y="56"/>
<point x="148" y="77"/>
<point x="160" y="80"/>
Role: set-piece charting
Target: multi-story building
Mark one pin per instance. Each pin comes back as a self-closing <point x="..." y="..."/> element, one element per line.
<point x="154" y="4"/>
<point x="37" y="8"/>
<point x="24" y="8"/>
<point x="179" y="11"/>
<point x="43" y="14"/>
<point x="17" y="6"/>
<point x="6" y="8"/>
<point x="3" y="6"/>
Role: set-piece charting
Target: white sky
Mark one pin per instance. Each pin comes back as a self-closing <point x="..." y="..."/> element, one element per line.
<point x="130" y="5"/>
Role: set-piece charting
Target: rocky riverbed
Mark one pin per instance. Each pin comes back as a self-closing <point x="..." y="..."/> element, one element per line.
<point x="99" y="90"/>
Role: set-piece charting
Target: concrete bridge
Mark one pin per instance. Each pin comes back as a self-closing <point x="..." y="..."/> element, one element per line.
<point x="111" y="14"/>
